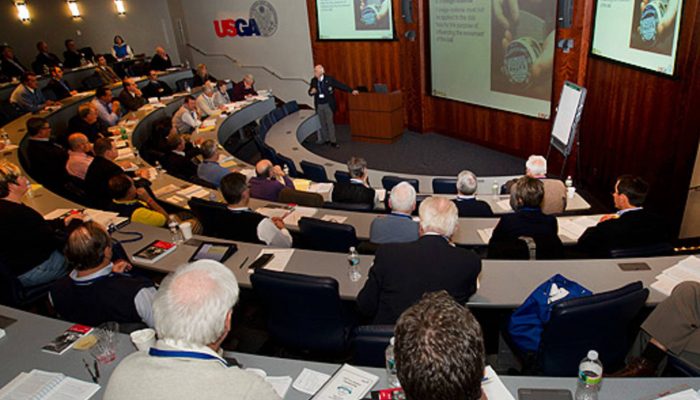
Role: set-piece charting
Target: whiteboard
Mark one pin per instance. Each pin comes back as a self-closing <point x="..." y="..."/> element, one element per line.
<point x="568" y="116"/>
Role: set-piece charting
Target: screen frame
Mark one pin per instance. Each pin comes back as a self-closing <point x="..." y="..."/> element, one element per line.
<point x="674" y="76"/>
<point x="394" y="38"/>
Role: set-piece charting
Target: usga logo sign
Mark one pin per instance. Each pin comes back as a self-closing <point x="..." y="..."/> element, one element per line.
<point x="239" y="27"/>
<point x="261" y="22"/>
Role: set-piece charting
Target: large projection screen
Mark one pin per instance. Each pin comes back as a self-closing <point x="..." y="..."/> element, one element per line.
<point x="355" y="19"/>
<point x="494" y="53"/>
<point x="643" y="33"/>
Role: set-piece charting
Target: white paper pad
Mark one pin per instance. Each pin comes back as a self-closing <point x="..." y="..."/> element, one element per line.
<point x="320" y="187"/>
<point x="194" y="191"/>
<point x="123" y="154"/>
<point x="299" y="212"/>
<point x="165" y="190"/>
<point x="493" y="387"/>
<point x="280" y="384"/>
<point x="504" y="205"/>
<point x="687" y="269"/>
<point x="309" y="381"/>
<point x="338" y="219"/>
<point x="279" y="261"/>
<point x="380" y="195"/>
<point x="485" y="234"/>
<point x="274" y="212"/>
<point x="355" y="384"/>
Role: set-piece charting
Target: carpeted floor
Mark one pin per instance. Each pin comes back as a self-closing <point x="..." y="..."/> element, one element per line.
<point x="426" y="154"/>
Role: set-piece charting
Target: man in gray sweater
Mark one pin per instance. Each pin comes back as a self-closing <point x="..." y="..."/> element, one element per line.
<point x="192" y="313"/>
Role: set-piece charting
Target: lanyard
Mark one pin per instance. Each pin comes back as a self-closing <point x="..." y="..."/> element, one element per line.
<point x="184" y="354"/>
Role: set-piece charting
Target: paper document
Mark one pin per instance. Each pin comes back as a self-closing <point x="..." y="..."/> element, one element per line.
<point x="348" y="383"/>
<point x="485" y="234"/>
<point x="687" y="269"/>
<point x="309" y="381"/>
<point x="493" y="387"/>
<point x="504" y="205"/>
<point x="165" y="190"/>
<point x="194" y="191"/>
<point x="380" y="195"/>
<point x="338" y="219"/>
<point x="47" y="385"/>
<point x="689" y="394"/>
<point x="299" y="212"/>
<point x="279" y="261"/>
<point x="208" y="123"/>
<point x="573" y="227"/>
<point x="280" y="384"/>
<point x="274" y="212"/>
<point x="320" y="188"/>
<point x="123" y="154"/>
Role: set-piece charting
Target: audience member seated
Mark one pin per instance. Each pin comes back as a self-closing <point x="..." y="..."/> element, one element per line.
<point x="47" y="160"/>
<point x="155" y="87"/>
<point x="210" y="170"/>
<point x="399" y="226"/>
<point x="161" y="60"/>
<point x="673" y="327"/>
<point x="58" y="86"/>
<point x="108" y="108"/>
<point x="186" y="119"/>
<point x="467" y="204"/>
<point x="221" y="96"/>
<point x="28" y="97"/>
<point x="201" y="75"/>
<point x="632" y="226"/>
<point x="45" y="60"/>
<point x="244" y="89"/>
<point x="554" y="190"/>
<point x="192" y="312"/>
<point x="101" y="170"/>
<point x="29" y="245"/>
<point x="268" y="182"/>
<point x="206" y="104"/>
<point x="135" y="203"/>
<point x="131" y="97"/>
<point x="87" y="122"/>
<point x="99" y="289"/>
<point x="121" y="50"/>
<point x="251" y="226"/>
<point x="357" y="190"/>
<point x="105" y="72"/>
<point x="72" y="57"/>
<point x="178" y="161"/>
<point x="11" y="67"/>
<point x="527" y="221"/>
<point x="79" y="155"/>
<point x="403" y="272"/>
<point x="439" y="350"/>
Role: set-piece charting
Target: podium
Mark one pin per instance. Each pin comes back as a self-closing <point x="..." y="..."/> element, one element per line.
<point x="376" y="117"/>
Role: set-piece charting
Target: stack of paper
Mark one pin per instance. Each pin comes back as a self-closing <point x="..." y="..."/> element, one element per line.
<point x="320" y="188"/>
<point x="279" y="261"/>
<point x="504" y="205"/>
<point x="104" y="218"/>
<point x="123" y="154"/>
<point x="274" y="212"/>
<point x="573" y="227"/>
<point x="193" y="191"/>
<point x="47" y="385"/>
<point x="338" y="219"/>
<point x="485" y="234"/>
<point x="208" y="125"/>
<point x="687" y="269"/>
<point x="160" y="192"/>
<point x="298" y="212"/>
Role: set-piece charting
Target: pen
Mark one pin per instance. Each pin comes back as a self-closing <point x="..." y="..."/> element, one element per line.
<point x="97" y="371"/>
<point x="87" y="367"/>
<point x="243" y="263"/>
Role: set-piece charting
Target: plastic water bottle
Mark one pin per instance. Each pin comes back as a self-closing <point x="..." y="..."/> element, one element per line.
<point x="175" y="232"/>
<point x="496" y="188"/>
<point x="354" y="261"/>
<point x="159" y="168"/>
<point x="391" y="364"/>
<point x="590" y="376"/>
<point x="188" y="89"/>
<point x="569" y="182"/>
<point x="285" y="169"/>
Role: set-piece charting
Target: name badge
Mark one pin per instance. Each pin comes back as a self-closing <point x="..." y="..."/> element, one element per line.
<point x="321" y="96"/>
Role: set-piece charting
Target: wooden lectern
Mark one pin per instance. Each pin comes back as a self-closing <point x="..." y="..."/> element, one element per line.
<point x="376" y="117"/>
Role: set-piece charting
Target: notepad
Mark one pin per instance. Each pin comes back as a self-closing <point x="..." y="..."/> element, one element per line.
<point x="485" y="234"/>
<point x="348" y="383"/>
<point x="279" y="261"/>
<point x="687" y="269"/>
<point x="493" y="387"/>
<point x="39" y="384"/>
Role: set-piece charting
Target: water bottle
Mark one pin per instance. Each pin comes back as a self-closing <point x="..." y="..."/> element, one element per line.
<point x="5" y="137"/>
<point x="569" y="182"/>
<point x="188" y="89"/>
<point x="187" y="64"/>
<point x="391" y="365"/>
<point x="354" y="261"/>
<point x="175" y="232"/>
<point x="590" y="375"/>
<point x="159" y="168"/>
<point x="285" y="169"/>
<point x="496" y="188"/>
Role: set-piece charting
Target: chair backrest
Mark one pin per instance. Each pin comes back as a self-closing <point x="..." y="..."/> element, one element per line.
<point x="290" y="107"/>
<point x="681" y="366"/>
<point x="266" y="123"/>
<point x="277" y="114"/>
<point x="652" y="250"/>
<point x="342" y="176"/>
<point x="13" y="294"/>
<point x="290" y="164"/>
<point x="181" y="84"/>
<point x="348" y="206"/>
<point x="92" y="82"/>
<point x="8" y="112"/>
<point x="314" y="172"/>
<point x="306" y="199"/>
<point x="445" y="186"/>
<point x="303" y="312"/>
<point x="389" y="181"/>
<point x="322" y="235"/>
<point x="369" y="343"/>
<point x="218" y="221"/>
<point x="599" y="322"/>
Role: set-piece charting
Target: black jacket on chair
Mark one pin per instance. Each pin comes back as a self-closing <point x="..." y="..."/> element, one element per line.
<point x="156" y="89"/>
<point x="472" y="208"/>
<point x="402" y="272"/>
<point x="47" y="162"/>
<point x="326" y="87"/>
<point x="349" y="192"/>
<point x="179" y="165"/>
<point x="61" y="90"/>
<point x="542" y="228"/>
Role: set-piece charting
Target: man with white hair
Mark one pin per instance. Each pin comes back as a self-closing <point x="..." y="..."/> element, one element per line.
<point x="357" y="190"/>
<point x="466" y="202"/>
<point x="244" y="89"/>
<point x="399" y="226"/>
<point x="402" y="272"/>
<point x="192" y="312"/>
<point x="322" y="87"/>
<point x="206" y="104"/>
<point x="554" y="190"/>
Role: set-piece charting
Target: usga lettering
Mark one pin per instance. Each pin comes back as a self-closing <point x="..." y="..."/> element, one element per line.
<point x="239" y="27"/>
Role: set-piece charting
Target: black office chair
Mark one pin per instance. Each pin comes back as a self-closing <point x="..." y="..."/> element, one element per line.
<point x="314" y="172"/>
<point x="266" y="151"/>
<point x="8" y="112"/>
<point x="266" y="123"/>
<point x="306" y="199"/>
<point x="342" y="177"/>
<point x="13" y="294"/>
<point x="652" y="250"/>
<point x="183" y="84"/>
<point x="348" y="206"/>
<point x="218" y="221"/>
<point x="681" y="367"/>
<point x="389" y="181"/>
<point x="290" y="107"/>
<point x="304" y="313"/>
<point x="600" y="322"/>
<point x="322" y="235"/>
<point x="369" y="342"/>
<point x="277" y="114"/>
<point x="289" y="163"/>
<point x="92" y="82"/>
<point x="445" y="186"/>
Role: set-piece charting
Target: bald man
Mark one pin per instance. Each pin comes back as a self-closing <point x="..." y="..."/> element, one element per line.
<point x="268" y="182"/>
<point x="161" y="60"/>
<point x="322" y="88"/>
<point x="78" y="158"/>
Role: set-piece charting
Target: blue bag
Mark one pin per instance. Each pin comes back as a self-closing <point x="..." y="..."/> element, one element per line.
<point x="527" y="321"/>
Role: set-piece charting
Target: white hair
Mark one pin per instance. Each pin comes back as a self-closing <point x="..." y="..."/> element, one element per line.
<point x="466" y="183"/>
<point x="208" y="87"/>
<point x="438" y="215"/>
<point x="403" y="197"/>
<point x="536" y="165"/>
<point x="193" y="302"/>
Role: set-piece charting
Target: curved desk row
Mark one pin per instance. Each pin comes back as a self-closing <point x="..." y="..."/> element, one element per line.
<point x="74" y="77"/>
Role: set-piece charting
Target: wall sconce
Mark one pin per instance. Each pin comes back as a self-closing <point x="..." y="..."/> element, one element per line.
<point x="22" y="11"/>
<point x="74" y="10"/>
<point x="120" y="7"/>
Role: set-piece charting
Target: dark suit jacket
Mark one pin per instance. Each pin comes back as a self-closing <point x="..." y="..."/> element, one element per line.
<point x="180" y="166"/>
<point x="93" y="132"/>
<point x="130" y="102"/>
<point x="160" y="64"/>
<point x="327" y="89"/>
<point x="47" y="162"/>
<point x="473" y="208"/>
<point x="403" y="272"/>
<point x="107" y="75"/>
<point x="71" y="59"/>
<point x="156" y="89"/>
<point x="198" y="81"/>
<point x="11" y="70"/>
<point x="348" y="192"/>
<point x="50" y="60"/>
<point x="97" y="179"/>
<point x="631" y="229"/>
<point x="240" y="91"/>
<point x="59" y="91"/>
<point x="527" y="222"/>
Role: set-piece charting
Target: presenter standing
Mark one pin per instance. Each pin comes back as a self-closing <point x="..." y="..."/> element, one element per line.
<point x="322" y="88"/>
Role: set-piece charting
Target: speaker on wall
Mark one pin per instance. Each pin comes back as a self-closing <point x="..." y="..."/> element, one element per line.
<point x="566" y="13"/>
<point x="407" y="11"/>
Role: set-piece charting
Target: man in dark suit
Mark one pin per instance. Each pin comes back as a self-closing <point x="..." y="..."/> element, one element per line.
<point x="322" y="88"/>
<point x="466" y="201"/>
<point x="72" y="57"/>
<point x="632" y="226"/>
<point x="178" y="161"/>
<point x="155" y="87"/>
<point x="45" y="60"/>
<point x="357" y="190"/>
<point x="87" y="122"/>
<point x="161" y="60"/>
<point x="403" y="272"/>
<point x="11" y="67"/>
<point x="58" y="86"/>
<point x="131" y="96"/>
<point x="101" y="170"/>
<point x="244" y="89"/>
<point x="46" y="159"/>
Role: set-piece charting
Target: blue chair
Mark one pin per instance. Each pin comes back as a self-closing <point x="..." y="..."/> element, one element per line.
<point x="389" y="181"/>
<point x="218" y="221"/>
<point x="277" y="114"/>
<point x="445" y="186"/>
<point x="652" y="250"/>
<point x="266" y="123"/>
<point x="314" y="172"/>
<point x="266" y="151"/>
<point x="290" y="107"/>
<point x="369" y="343"/>
<point x="342" y="177"/>
<point x="304" y="313"/>
<point x="289" y="163"/>
<point x="182" y="84"/>
<point x="317" y="234"/>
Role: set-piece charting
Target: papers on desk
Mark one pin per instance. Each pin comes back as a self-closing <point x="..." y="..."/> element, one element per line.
<point x="47" y="385"/>
<point x="274" y="212"/>
<point x="165" y="190"/>
<point x="104" y="218"/>
<point x="302" y="184"/>
<point x="193" y="191"/>
<point x="379" y="195"/>
<point x="119" y="143"/>
<point x="493" y="387"/>
<point x="9" y="147"/>
<point x="290" y="215"/>
<point x="279" y="261"/>
<point x="348" y="383"/>
<point x="689" y="394"/>
<point x="279" y="383"/>
<point x="687" y="269"/>
<point x="208" y="125"/>
<point x="123" y="154"/>
<point x="320" y="188"/>
<point x="504" y="205"/>
<point x="129" y="166"/>
<point x="338" y="219"/>
<point x="573" y="227"/>
<point x="309" y="381"/>
<point x="485" y="234"/>
<point x="248" y="172"/>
